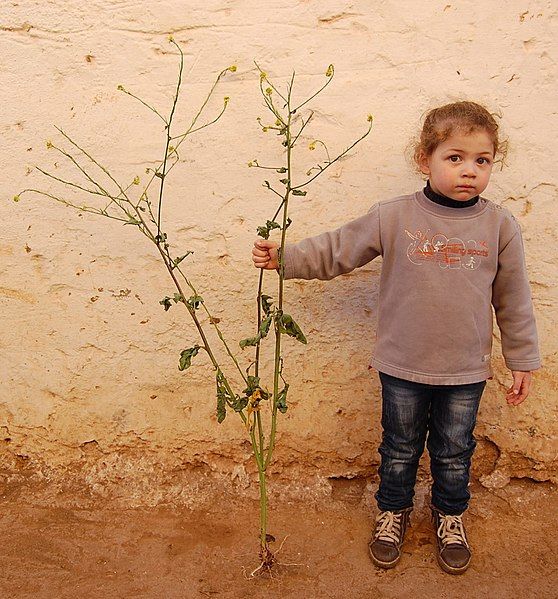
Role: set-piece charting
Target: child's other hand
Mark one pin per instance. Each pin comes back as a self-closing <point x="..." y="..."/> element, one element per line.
<point x="520" y="387"/>
<point x="264" y="254"/>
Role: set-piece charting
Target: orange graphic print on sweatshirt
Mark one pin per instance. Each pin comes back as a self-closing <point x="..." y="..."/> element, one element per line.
<point x="447" y="252"/>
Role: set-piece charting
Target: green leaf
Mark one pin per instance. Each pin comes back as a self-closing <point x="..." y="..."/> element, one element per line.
<point x="265" y="230"/>
<point x="249" y="341"/>
<point x="223" y="396"/>
<point x="282" y="399"/>
<point x="166" y="301"/>
<point x="282" y="170"/>
<point x="284" y="181"/>
<point x="195" y="301"/>
<point x="264" y="327"/>
<point x="178" y="297"/>
<point x="266" y="304"/>
<point x="186" y="357"/>
<point x="253" y="384"/>
<point x="132" y="220"/>
<point x="239" y="404"/>
<point x="287" y="325"/>
<point x="298" y="192"/>
<point x="263" y="331"/>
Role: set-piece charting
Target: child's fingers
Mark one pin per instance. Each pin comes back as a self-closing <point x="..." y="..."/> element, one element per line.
<point x="259" y="252"/>
<point x="260" y="261"/>
<point x="264" y="244"/>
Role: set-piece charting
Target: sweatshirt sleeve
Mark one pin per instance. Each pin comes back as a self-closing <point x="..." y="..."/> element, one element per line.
<point x="511" y="298"/>
<point x="337" y="252"/>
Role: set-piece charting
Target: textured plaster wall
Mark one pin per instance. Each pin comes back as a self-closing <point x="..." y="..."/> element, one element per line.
<point x="90" y="387"/>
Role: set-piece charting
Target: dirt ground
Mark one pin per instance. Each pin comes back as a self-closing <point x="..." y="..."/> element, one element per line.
<point x="103" y="552"/>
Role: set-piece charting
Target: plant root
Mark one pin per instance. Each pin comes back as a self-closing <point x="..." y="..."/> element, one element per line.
<point x="268" y="561"/>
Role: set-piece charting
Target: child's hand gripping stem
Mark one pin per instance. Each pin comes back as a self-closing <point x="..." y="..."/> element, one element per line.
<point x="264" y="254"/>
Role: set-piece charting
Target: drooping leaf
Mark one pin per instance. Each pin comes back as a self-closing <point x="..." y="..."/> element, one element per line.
<point x="250" y="341"/>
<point x="298" y="192"/>
<point x="264" y="230"/>
<point x="166" y="302"/>
<point x="223" y="396"/>
<point x="239" y="404"/>
<point x="266" y="304"/>
<point x="195" y="301"/>
<point x="253" y="384"/>
<point x="263" y="331"/>
<point x="282" y="399"/>
<point x="264" y="327"/>
<point x="221" y="410"/>
<point x="287" y="325"/>
<point x="186" y="357"/>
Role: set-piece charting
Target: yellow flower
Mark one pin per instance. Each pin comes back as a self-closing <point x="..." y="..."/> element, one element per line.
<point x="250" y="164"/>
<point x="120" y="88"/>
<point x="136" y="180"/>
<point x="232" y="68"/>
<point x="49" y="144"/>
<point x="312" y="146"/>
<point x="370" y="118"/>
<point x="170" y="38"/>
<point x="268" y="91"/>
<point x="226" y="100"/>
<point x="16" y="198"/>
<point x="329" y="71"/>
<point x="263" y="76"/>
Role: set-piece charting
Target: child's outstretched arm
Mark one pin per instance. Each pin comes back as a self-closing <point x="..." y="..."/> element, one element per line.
<point x="327" y="255"/>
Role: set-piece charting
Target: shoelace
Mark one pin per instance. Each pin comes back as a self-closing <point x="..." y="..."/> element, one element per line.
<point x="388" y="527"/>
<point x="451" y="530"/>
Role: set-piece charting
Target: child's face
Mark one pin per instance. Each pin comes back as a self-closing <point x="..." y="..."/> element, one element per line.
<point x="460" y="167"/>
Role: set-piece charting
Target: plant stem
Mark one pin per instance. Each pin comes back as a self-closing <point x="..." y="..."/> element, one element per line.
<point x="280" y="299"/>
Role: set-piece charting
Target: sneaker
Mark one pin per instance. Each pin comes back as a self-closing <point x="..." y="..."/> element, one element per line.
<point x="385" y="545"/>
<point x="453" y="551"/>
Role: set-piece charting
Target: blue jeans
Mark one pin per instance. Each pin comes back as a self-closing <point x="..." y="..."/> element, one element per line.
<point x="411" y="412"/>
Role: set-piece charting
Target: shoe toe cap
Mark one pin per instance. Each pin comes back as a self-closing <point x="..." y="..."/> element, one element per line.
<point x="456" y="556"/>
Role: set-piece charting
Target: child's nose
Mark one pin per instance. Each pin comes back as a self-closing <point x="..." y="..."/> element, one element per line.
<point x="469" y="169"/>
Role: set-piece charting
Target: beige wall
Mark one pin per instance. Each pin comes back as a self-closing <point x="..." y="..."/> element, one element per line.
<point x="90" y="386"/>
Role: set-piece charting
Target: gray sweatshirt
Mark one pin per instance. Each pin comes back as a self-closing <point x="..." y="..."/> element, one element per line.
<point x="443" y="270"/>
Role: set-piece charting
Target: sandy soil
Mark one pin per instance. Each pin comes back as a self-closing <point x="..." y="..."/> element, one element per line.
<point x="103" y="552"/>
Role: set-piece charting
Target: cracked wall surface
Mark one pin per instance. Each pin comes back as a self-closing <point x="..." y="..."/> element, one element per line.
<point x="91" y="392"/>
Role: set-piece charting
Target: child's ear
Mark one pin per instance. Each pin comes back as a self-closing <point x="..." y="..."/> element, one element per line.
<point x="423" y="164"/>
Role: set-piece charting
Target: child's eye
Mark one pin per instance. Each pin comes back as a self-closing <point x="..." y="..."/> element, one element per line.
<point x="454" y="156"/>
<point x="486" y="161"/>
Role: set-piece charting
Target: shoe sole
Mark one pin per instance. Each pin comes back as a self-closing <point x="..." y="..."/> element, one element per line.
<point x="384" y="565"/>
<point x="449" y="569"/>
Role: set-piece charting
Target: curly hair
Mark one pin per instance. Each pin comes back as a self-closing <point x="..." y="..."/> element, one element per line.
<point x="464" y="117"/>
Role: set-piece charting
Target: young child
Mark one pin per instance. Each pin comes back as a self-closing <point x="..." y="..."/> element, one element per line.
<point x="449" y="256"/>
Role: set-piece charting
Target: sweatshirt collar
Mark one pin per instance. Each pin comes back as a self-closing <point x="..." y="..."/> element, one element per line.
<point x="445" y="201"/>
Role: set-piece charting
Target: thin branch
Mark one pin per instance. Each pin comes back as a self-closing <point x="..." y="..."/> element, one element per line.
<point x="336" y="159"/>
<point x="121" y="88"/>
<point x="329" y="75"/>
